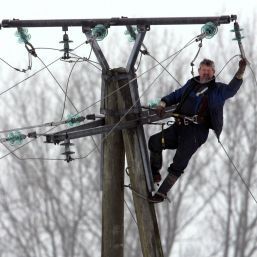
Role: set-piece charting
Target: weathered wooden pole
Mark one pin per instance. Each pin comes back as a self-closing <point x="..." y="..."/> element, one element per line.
<point x="113" y="181"/>
<point x="145" y="212"/>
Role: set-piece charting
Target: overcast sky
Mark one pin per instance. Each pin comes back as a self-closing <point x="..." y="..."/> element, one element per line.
<point x="28" y="9"/>
<point x="15" y="53"/>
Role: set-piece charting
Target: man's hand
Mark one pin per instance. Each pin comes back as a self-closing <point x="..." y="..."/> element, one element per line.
<point x="160" y="109"/>
<point x="242" y="65"/>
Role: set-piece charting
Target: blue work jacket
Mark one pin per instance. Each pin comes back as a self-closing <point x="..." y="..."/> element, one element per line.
<point x="217" y="94"/>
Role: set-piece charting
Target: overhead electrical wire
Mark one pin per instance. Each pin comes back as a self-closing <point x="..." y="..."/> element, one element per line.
<point x="190" y="42"/>
<point x="173" y="55"/>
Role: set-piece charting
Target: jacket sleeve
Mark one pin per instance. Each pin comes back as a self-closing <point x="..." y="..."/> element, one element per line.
<point x="231" y="89"/>
<point x="175" y="96"/>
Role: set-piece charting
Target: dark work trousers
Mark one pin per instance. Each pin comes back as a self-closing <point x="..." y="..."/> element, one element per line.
<point x="186" y="139"/>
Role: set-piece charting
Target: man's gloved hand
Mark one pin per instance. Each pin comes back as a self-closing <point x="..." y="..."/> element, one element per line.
<point x="242" y="65"/>
<point x="160" y="109"/>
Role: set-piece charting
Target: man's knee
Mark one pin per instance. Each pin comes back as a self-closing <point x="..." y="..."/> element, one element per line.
<point x="154" y="143"/>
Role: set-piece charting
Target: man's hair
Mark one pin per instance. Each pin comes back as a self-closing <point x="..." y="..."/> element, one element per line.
<point x="207" y="62"/>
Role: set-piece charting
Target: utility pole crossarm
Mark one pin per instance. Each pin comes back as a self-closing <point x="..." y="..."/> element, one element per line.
<point x="99" y="127"/>
<point x="118" y="21"/>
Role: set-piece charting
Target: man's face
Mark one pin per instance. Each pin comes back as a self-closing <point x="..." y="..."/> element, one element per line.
<point x="206" y="73"/>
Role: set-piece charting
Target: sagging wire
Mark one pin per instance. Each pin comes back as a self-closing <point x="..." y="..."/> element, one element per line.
<point x="48" y="124"/>
<point x="29" y="158"/>
<point x="17" y="69"/>
<point x="66" y="90"/>
<point x="192" y="62"/>
<point x="136" y="77"/>
<point x="35" y="136"/>
<point x="125" y="114"/>
<point x="189" y="43"/>
<point x="239" y="174"/>
<point x="75" y="56"/>
<point x="218" y="74"/>
<point x="84" y="157"/>
<point x="29" y="127"/>
<point x="165" y="68"/>
<point x="32" y="75"/>
<point x="31" y="50"/>
<point x="130" y="212"/>
<point x="18" y="148"/>
<point x="71" y="102"/>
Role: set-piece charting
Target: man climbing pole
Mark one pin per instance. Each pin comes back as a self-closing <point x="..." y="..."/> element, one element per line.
<point x="200" y="107"/>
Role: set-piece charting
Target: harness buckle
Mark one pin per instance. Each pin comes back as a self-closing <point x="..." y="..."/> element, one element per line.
<point x="195" y="119"/>
<point x="186" y="121"/>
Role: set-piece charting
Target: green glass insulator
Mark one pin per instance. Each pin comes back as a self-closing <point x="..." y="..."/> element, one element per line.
<point x="154" y="102"/>
<point x="22" y="35"/>
<point x="99" y="32"/>
<point x="15" y="138"/>
<point x="72" y="120"/>
<point x="210" y="29"/>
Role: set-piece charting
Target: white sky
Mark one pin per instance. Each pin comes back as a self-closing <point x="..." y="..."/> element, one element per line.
<point x="64" y="9"/>
<point x="28" y="9"/>
<point x="15" y="53"/>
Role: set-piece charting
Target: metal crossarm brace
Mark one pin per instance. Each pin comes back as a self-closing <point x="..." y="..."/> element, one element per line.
<point x="97" y="50"/>
<point x="101" y="59"/>
<point x="136" y="102"/>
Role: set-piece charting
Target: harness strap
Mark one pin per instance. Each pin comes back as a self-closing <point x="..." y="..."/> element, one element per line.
<point x="186" y="120"/>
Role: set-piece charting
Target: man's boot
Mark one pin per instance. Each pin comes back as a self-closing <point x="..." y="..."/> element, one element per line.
<point x="165" y="187"/>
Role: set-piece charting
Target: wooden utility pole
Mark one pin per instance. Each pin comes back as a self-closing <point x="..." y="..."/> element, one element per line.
<point x="131" y="138"/>
<point x="113" y="181"/>
<point x="145" y="212"/>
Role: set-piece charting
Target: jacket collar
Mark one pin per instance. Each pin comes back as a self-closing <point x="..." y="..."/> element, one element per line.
<point x="196" y="80"/>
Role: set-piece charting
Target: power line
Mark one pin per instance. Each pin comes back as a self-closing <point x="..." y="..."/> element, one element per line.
<point x="150" y="69"/>
<point x="58" y="84"/>
<point x="239" y="174"/>
<point x="189" y="43"/>
<point x="66" y="90"/>
<point x="20" y="82"/>
<point x="159" y="63"/>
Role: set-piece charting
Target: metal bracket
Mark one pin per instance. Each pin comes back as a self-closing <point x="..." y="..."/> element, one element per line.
<point x="143" y="28"/>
